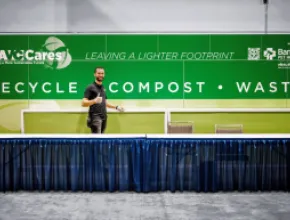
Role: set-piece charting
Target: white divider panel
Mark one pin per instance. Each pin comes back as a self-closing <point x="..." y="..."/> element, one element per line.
<point x="139" y="110"/>
<point x="152" y="136"/>
<point x="167" y="112"/>
<point x="220" y="136"/>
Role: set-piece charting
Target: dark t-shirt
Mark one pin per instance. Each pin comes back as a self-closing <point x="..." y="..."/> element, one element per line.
<point x="92" y="92"/>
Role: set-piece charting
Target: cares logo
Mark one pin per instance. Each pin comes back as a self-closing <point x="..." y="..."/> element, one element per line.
<point x="53" y="54"/>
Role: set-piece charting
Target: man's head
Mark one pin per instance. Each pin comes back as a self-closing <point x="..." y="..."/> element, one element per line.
<point x="99" y="74"/>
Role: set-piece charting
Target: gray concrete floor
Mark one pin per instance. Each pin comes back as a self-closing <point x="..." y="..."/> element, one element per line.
<point x="159" y="206"/>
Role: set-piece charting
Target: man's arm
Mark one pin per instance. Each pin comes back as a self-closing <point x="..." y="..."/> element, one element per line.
<point x="110" y="105"/>
<point x="119" y="108"/>
<point x="88" y="103"/>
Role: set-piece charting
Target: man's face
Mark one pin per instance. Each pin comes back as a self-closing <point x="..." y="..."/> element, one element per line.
<point x="100" y="74"/>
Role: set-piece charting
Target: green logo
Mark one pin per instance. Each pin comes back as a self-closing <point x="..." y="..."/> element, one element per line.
<point x="62" y="59"/>
<point x="269" y="53"/>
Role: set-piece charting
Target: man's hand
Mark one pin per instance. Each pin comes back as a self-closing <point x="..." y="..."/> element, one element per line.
<point x="120" y="109"/>
<point x="98" y="100"/>
<point x="87" y="103"/>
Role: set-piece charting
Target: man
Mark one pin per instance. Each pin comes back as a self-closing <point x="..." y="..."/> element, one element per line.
<point x="95" y="98"/>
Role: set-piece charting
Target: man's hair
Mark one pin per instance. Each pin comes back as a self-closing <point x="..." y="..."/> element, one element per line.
<point x="98" y="67"/>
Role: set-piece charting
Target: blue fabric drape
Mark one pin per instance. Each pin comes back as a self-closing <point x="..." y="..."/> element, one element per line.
<point x="144" y="164"/>
<point x="216" y="165"/>
<point x="70" y="164"/>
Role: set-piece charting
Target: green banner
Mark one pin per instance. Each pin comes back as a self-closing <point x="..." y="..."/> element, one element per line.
<point x="148" y="66"/>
